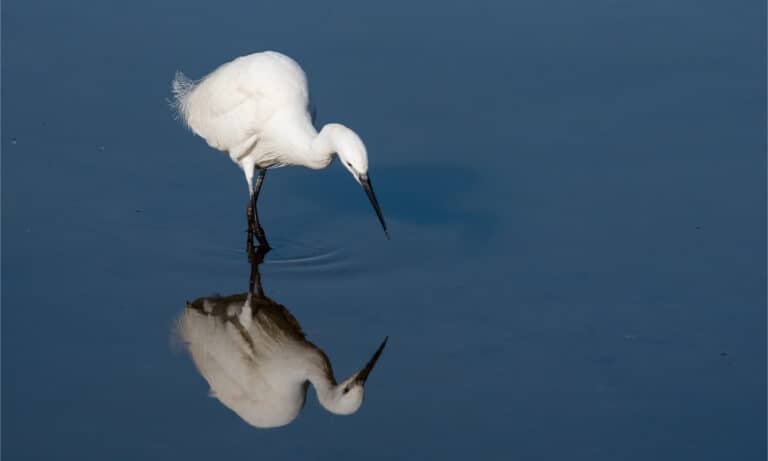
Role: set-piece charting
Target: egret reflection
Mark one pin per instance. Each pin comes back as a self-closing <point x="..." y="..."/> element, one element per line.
<point x="257" y="360"/>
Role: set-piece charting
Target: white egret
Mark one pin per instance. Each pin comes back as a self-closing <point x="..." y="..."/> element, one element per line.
<point x="256" y="109"/>
<point x="257" y="360"/>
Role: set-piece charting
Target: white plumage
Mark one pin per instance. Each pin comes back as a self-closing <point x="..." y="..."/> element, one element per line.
<point x="258" y="362"/>
<point x="241" y="100"/>
<point x="256" y="109"/>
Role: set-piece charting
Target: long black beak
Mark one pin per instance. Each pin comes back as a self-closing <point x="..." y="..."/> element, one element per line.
<point x="363" y="375"/>
<point x="365" y="181"/>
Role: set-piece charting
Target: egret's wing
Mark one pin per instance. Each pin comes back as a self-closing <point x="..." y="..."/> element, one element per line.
<point x="225" y="112"/>
<point x="221" y="353"/>
<point x="235" y="102"/>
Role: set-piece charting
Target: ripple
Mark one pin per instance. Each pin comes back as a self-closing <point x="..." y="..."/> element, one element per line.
<point x="285" y="256"/>
<point x="296" y="255"/>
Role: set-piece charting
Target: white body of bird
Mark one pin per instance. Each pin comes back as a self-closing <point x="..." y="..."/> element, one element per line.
<point x="256" y="109"/>
<point x="257" y="362"/>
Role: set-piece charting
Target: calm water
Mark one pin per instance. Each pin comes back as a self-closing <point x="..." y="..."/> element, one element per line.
<point x="575" y="190"/>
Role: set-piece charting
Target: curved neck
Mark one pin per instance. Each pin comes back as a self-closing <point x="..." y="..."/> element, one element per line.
<point x="341" y="398"/>
<point x="324" y="145"/>
<point x="325" y="386"/>
<point x="293" y="140"/>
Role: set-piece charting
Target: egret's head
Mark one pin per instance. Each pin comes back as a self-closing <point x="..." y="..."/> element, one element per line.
<point x="350" y="149"/>
<point x="348" y="395"/>
<point x="352" y="154"/>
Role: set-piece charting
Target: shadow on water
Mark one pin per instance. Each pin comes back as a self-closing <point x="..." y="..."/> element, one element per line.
<point x="434" y="195"/>
<point x="255" y="356"/>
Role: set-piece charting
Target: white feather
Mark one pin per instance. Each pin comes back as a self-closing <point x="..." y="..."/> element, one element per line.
<point x="255" y="108"/>
<point x="235" y="102"/>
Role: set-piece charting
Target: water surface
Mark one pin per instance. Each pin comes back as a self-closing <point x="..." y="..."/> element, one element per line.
<point x="576" y="196"/>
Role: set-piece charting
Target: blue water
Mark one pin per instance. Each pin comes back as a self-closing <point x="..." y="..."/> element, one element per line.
<point x="576" y="196"/>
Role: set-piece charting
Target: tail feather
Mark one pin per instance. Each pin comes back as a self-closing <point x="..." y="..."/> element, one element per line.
<point x="182" y="86"/>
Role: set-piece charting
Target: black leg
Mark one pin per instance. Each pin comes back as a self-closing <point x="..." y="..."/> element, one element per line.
<point x="254" y="227"/>
<point x="259" y="182"/>
<point x="256" y="257"/>
<point x="249" y="214"/>
<point x="260" y="235"/>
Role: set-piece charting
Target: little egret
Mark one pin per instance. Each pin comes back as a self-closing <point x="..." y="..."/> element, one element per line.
<point x="257" y="360"/>
<point x="256" y="109"/>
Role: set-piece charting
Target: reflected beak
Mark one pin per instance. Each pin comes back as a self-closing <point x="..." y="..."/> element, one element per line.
<point x="363" y="374"/>
<point x="365" y="181"/>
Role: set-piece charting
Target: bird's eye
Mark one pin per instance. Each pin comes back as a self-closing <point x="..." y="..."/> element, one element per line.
<point x="349" y="164"/>
<point x="346" y="389"/>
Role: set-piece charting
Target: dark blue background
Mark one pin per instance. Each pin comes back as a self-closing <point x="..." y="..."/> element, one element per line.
<point x="576" y="193"/>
